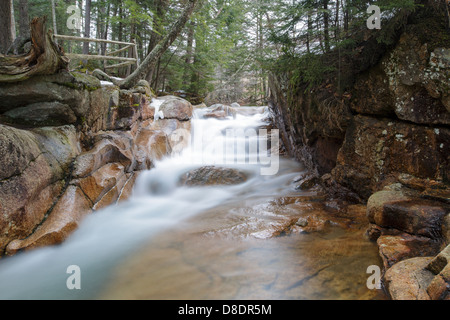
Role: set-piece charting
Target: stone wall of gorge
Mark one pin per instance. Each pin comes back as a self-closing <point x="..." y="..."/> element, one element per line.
<point x="385" y="142"/>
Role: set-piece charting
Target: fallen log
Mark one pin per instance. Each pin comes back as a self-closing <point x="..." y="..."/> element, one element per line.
<point x="44" y="58"/>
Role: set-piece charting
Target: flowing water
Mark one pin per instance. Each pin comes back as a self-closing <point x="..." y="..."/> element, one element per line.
<point x="170" y="241"/>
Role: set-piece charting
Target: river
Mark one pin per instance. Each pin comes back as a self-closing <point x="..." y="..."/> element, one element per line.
<point x="243" y="241"/>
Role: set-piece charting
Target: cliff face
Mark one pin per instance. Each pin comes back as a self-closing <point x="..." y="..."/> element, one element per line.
<point x="386" y="138"/>
<point x="394" y="119"/>
<point x="69" y="146"/>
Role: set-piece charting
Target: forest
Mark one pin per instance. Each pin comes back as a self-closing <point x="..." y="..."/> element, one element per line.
<point x="138" y="138"/>
<point x="223" y="53"/>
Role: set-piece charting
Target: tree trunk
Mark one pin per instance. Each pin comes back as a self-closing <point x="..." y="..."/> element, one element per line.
<point x="13" y="22"/>
<point x="152" y="58"/>
<point x="326" y="19"/>
<point x="189" y="51"/>
<point x="44" y="58"/>
<point x="24" y="19"/>
<point x="55" y="31"/>
<point x="157" y="31"/>
<point x="24" y="29"/>
<point x="336" y="22"/>
<point x="5" y="26"/>
<point x="87" y="26"/>
<point x="308" y="32"/>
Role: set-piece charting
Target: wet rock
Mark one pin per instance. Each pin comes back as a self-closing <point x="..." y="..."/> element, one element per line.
<point x="442" y="195"/>
<point x="152" y="145"/>
<point x="398" y="247"/>
<point x="404" y="224"/>
<point x="110" y="148"/>
<point x="374" y="232"/>
<point x="235" y="105"/>
<point x="415" y="183"/>
<point x="178" y="132"/>
<point x="112" y="195"/>
<point x="439" y="288"/>
<point x="100" y="181"/>
<point x="409" y="280"/>
<point x="127" y="189"/>
<point x="34" y="166"/>
<point x="372" y="94"/>
<point x="211" y="175"/>
<point x="404" y="210"/>
<point x="18" y="148"/>
<point x="302" y="222"/>
<point x="63" y="220"/>
<point x="176" y="108"/>
<point x="306" y="181"/>
<point x="440" y="261"/>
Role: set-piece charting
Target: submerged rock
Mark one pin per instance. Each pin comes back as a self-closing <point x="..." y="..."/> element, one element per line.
<point x="211" y="175"/>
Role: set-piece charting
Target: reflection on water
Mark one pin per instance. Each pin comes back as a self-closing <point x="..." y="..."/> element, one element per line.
<point x="222" y="242"/>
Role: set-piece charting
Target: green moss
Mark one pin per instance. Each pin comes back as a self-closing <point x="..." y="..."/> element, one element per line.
<point x="83" y="81"/>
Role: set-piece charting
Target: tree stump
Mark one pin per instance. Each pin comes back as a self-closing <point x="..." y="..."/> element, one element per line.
<point x="44" y="58"/>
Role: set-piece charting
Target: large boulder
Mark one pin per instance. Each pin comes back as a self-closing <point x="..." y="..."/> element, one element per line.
<point x="407" y="222"/>
<point x="176" y="108"/>
<point x="420" y="278"/>
<point x="67" y="88"/>
<point x="42" y="114"/>
<point x="413" y="215"/>
<point x="63" y="220"/>
<point x="109" y="147"/>
<point x="409" y="279"/>
<point x="34" y="167"/>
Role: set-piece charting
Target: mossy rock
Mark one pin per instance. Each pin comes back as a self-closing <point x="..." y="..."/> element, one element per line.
<point x="84" y="81"/>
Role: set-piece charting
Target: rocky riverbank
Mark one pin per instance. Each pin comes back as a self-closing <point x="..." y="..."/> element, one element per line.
<point x="72" y="145"/>
<point x="385" y="141"/>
